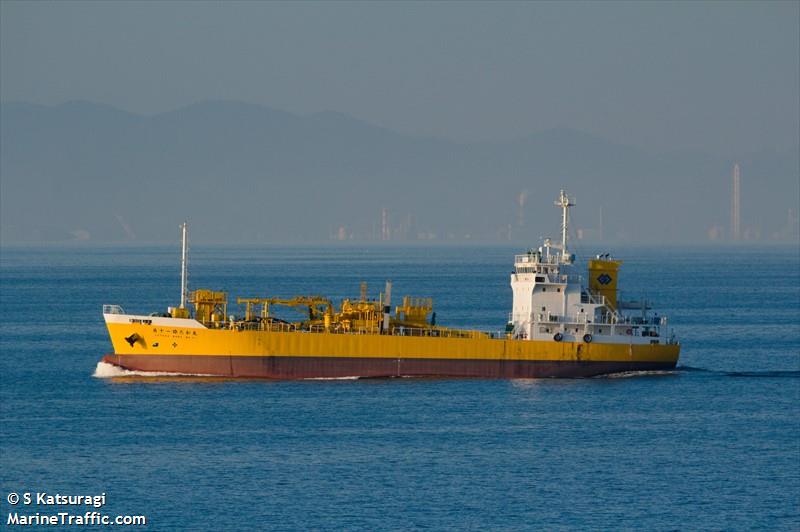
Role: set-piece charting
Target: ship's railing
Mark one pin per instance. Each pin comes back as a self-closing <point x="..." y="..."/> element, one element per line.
<point x="273" y="327"/>
<point x="337" y="328"/>
<point x="638" y="320"/>
<point x="536" y="258"/>
<point x="628" y="327"/>
<point x="587" y="297"/>
<point x="438" y="333"/>
<point x="252" y="326"/>
<point x="608" y="319"/>
<point x="651" y="327"/>
<point x="112" y="309"/>
<point x="542" y="277"/>
<point x="637" y="327"/>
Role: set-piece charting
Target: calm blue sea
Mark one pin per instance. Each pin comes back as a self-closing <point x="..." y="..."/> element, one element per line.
<point x="713" y="445"/>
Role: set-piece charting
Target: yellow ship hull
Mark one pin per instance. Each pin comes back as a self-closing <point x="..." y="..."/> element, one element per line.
<point x="302" y="355"/>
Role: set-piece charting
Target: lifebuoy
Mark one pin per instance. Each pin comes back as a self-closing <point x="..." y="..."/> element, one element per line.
<point x="587" y="338"/>
<point x="629" y="332"/>
<point x="558" y="337"/>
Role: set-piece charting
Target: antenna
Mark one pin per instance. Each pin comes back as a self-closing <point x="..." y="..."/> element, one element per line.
<point x="564" y="202"/>
<point x="184" y="264"/>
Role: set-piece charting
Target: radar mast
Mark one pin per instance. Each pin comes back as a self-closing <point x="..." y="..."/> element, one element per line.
<point x="565" y="203"/>
<point x="184" y="264"/>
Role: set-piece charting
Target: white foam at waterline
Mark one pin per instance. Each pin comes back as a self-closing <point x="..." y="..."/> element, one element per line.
<point x="104" y="370"/>
<point x="644" y="373"/>
<point x="353" y="378"/>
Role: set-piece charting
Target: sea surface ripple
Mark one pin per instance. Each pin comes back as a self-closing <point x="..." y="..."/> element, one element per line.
<point x="714" y="444"/>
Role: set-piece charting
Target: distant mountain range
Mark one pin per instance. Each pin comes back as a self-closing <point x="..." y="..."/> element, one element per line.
<point x="247" y="173"/>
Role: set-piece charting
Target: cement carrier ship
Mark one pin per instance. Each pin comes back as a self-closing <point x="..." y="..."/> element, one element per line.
<point x="557" y="328"/>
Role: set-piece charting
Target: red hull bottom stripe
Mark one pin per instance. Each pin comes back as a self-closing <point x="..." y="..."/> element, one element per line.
<point x="270" y="367"/>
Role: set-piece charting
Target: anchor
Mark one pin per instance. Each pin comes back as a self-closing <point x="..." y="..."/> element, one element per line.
<point x="132" y="339"/>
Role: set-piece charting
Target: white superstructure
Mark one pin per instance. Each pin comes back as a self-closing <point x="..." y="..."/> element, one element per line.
<point x="552" y="303"/>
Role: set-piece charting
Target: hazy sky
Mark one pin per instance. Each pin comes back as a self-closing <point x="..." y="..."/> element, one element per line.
<point x="719" y="76"/>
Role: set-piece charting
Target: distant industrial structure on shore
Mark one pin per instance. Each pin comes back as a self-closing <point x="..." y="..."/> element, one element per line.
<point x="390" y="226"/>
<point x="737" y="232"/>
<point x="736" y="203"/>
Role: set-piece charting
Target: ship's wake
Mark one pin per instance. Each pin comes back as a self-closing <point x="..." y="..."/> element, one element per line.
<point x="104" y="370"/>
<point x="790" y="374"/>
<point x="772" y="374"/>
<point x="642" y="373"/>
